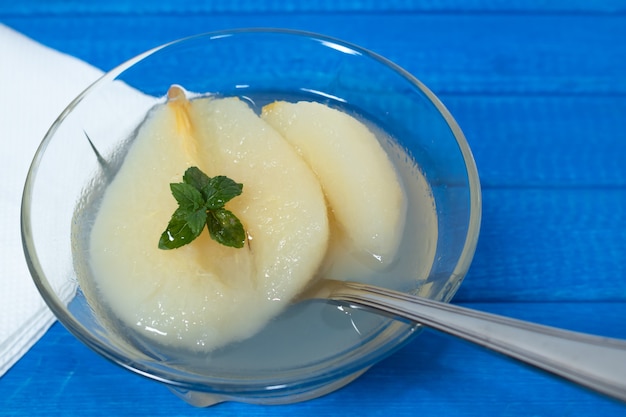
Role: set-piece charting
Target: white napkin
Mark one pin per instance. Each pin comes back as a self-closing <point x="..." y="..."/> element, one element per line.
<point x="36" y="84"/>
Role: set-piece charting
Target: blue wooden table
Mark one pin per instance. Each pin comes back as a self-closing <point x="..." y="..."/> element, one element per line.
<point x="540" y="92"/>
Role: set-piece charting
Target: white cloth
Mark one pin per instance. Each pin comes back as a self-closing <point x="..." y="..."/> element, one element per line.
<point x="36" y="84"/>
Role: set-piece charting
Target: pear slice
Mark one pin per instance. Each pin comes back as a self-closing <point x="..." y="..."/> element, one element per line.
<point x="359" y="181"/>
<point x="284" y="211"/>
<point x="205" y="295"/>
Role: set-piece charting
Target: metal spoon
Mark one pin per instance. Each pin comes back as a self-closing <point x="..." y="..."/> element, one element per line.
<point x="598" y="363"/>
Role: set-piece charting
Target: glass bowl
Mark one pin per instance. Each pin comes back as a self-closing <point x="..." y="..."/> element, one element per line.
<point x="313" y="347"/>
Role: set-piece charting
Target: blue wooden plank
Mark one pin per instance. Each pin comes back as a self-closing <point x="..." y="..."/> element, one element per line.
<point x="33" y="7"/>
<point x="550" y="244"/>
<point x="453" y="54"/>
<point x="529" y="236"/>
<point x="519" y="139"/>
<point x="545" y="141"/>
<point x="539" y="93"/>
<point x="433" y="375"/>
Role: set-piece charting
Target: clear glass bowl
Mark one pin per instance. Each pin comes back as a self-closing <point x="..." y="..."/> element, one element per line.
<point x="82" y="150"/>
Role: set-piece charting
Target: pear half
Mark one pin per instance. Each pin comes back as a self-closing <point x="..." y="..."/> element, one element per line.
<point x="205" y="295"/>
<point x="359" y="181"/>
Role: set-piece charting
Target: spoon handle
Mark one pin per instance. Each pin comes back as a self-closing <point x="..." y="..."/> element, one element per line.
<point x="595" y="362"/>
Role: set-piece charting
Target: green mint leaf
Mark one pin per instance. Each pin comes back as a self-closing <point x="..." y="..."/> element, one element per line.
<point x="219" y="191"/>
<point x="183" y="228"/>
<point x="198" y="179"/>
<point x="196" y="220"/>
<point x="225" y="228"/>
<point x="201" y="202"/>
<point x="187" y="196"/>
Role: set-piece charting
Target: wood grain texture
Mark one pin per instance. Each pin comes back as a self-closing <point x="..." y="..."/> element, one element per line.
<point x="485" y="54"/>
<point x="546" y="141"/>
<point x="433" y="375"/>
<point x="550" y="244"/>
<point x="539" y="89"/>
<point x="34" y="7"/>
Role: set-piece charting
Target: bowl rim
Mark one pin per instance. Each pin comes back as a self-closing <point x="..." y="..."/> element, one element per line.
<point x="258" y="386"/>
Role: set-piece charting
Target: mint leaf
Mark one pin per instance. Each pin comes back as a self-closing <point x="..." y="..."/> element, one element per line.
<point x="201" y="201"/>
<point x="220" y="190"/>
<point x="198" y="179"/>
<point x="187" y="196"/>
<point x="196" y="221"/>
<point x="225" y="228"/>
<point x="181" y="229"/>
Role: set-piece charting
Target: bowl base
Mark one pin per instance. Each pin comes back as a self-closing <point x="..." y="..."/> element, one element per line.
<point x="281" y="395"/>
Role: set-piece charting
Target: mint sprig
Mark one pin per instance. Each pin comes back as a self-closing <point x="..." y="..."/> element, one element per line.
<point x="201" y="201"/>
